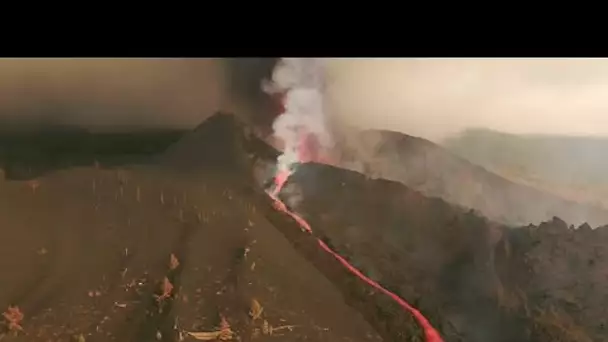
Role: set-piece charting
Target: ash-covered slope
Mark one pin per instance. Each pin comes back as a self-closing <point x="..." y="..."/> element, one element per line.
<point x="222" y="143"/>
<point x="89" y="250"/>
<point x="90" y="256"/>
<point x="475" y="279"/>
<point x="429" y="168"/>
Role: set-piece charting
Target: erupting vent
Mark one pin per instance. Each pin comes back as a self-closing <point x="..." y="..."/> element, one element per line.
<point x="302" y="129"/>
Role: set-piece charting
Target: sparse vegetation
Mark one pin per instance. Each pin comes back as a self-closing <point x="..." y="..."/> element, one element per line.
<point x="13" y="317"/>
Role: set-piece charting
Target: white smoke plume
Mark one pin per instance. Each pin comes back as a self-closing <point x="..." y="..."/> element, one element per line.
<point x="302" y="81"/>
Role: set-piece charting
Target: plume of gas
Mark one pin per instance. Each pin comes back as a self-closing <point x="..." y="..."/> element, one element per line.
<point x="301" y="81"/>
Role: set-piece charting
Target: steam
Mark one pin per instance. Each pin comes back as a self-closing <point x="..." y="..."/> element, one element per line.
<point x="302" y="81"/>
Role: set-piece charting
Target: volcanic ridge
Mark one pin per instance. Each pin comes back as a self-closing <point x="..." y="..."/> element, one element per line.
<point x="185" y="244"/>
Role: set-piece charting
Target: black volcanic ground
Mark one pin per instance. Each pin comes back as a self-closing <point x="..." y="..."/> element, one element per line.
<point x="88" y="248"/>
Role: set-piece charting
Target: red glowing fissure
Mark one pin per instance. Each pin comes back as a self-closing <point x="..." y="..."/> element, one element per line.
<point x="430" y="333"/>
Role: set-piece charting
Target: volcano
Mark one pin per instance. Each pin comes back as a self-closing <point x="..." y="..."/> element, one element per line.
<point x="185" y="240"/>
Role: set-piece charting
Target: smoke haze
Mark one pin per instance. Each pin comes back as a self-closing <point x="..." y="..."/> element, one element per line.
<point x="115" y="93"/>
<point x="435" y="98"/>
<point x="430" y="98"/>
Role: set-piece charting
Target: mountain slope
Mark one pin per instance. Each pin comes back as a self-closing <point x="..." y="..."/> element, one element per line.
<point x="434" y="171"/>
<point x="475" y="279"/>
<point x="89" y="249"/>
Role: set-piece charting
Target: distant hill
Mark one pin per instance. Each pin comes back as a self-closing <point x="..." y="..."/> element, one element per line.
<point x="573" y="167"/>
<point x="438" y="172"/>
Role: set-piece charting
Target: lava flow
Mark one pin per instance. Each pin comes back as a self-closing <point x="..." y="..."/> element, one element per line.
<point x="297" y="88"/>
<point x="430" y="333"/>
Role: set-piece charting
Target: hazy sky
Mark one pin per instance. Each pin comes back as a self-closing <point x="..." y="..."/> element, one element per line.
<point x="98" y="92"/>
<point x="435" y="97"/>
<point x="423" y="97"/>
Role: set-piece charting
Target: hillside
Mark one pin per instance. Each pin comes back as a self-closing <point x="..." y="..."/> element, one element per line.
<point x="478" y="280"/>
<point x="437" y="172"/>
<point x="89" y="249"/>
<point x="571" y="166"/>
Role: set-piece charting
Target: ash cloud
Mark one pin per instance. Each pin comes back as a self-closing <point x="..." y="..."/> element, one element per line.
<point x="429" y="98"/>
<point x="244" y="79"/>
<point x="436" y="98"/>
<point x="119" y="94"/>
